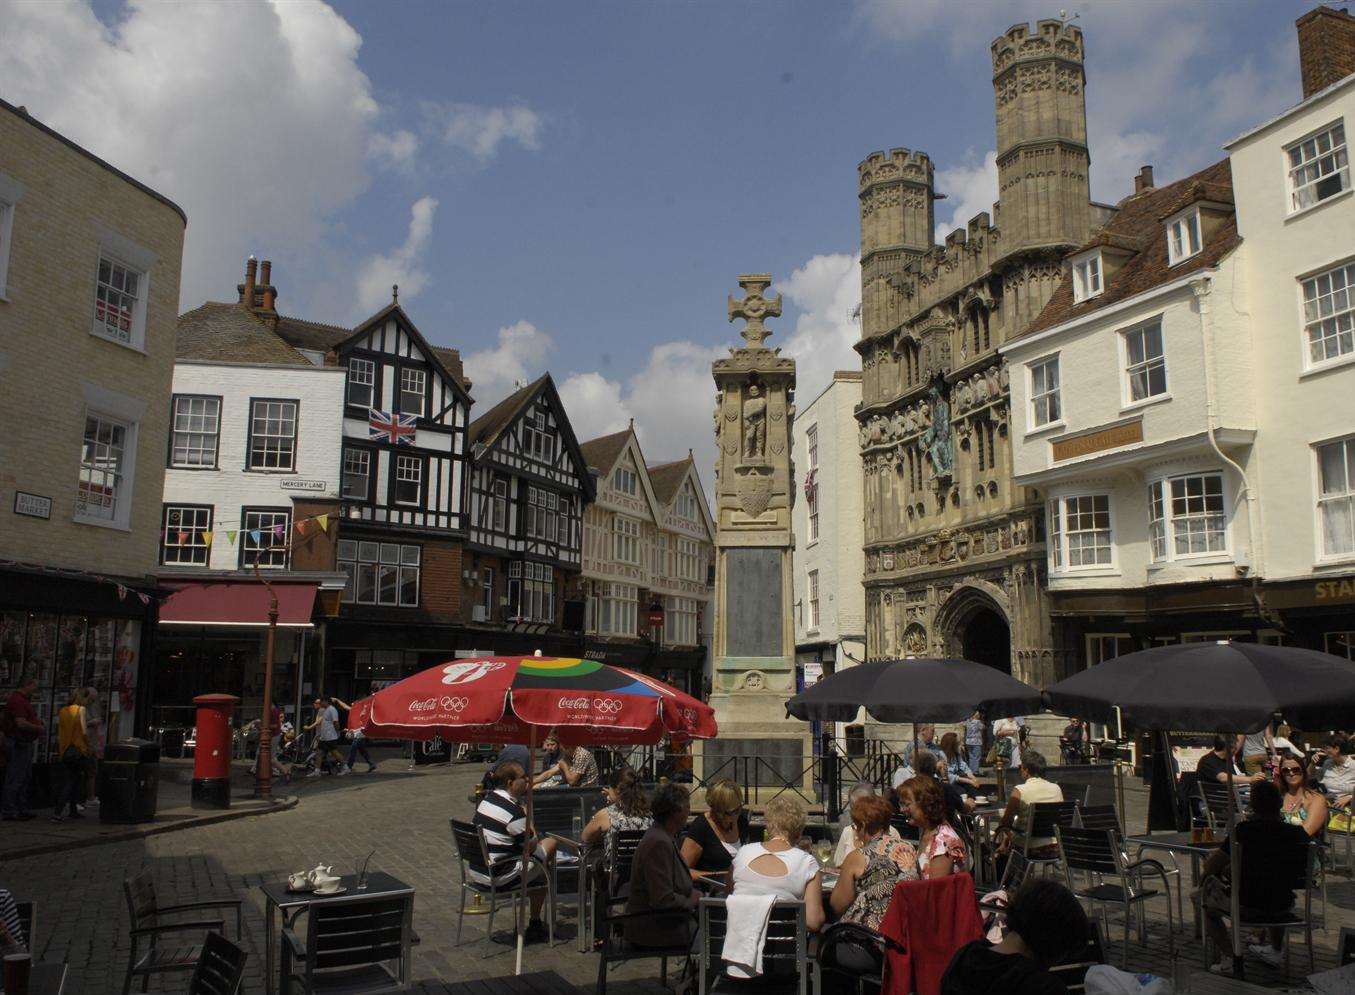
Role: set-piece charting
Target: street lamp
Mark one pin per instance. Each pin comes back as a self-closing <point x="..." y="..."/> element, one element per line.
<point x="264" y="787"/>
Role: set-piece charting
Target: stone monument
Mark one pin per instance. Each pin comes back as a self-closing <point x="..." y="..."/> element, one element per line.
<point x="754" y="486"/>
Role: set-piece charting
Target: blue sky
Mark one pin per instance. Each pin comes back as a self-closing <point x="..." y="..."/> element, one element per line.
<point x="575" y="187"/>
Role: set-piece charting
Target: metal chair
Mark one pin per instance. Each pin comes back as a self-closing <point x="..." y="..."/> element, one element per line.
<point x="1106" y="817"/>
<point x="1215" y="798"/>
<point x="617" y="949"/>
<point x="1072" y="970"/>
<point x="859" y="945"/>
<point x="1305" y="874"/>
<point x="1099" y="854"/>
<point x="784" y="952"/>
<point x="473" y="855"/>
<point x="220" y="969"/>
<point x="1040" y="822"/>
<point x="348" y="946"/>
<point x="28" y="925"/>
<point x="146" y="914"/>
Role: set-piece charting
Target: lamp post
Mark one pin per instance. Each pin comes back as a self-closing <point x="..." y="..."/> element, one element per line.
<point x="264" y="789"/>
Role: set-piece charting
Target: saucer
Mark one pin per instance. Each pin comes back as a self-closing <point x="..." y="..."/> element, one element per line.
<point x="328" y="894"/>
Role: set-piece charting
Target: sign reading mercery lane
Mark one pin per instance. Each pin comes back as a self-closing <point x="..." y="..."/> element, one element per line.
<point x="1335" y="590"/>
<point x="1072" y="446"/>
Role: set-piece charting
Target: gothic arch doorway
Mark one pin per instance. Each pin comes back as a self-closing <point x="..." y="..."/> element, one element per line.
<point x="976" y="628"/>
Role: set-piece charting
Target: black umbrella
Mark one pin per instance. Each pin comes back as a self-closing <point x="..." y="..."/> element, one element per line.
<point x="1212" y="687"/>
<point x="917" y="689"/>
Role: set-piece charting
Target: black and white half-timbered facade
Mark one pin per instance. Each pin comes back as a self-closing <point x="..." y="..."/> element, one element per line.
<point x="529" y="483"/>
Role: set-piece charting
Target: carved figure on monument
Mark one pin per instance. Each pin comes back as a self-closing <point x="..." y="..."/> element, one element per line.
<point x="964" y="396"/>
<point x="754" y="423"/>
<point x="938" y="440"/>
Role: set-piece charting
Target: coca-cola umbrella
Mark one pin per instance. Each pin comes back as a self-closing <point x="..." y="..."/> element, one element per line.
<point x="519" y="699"/>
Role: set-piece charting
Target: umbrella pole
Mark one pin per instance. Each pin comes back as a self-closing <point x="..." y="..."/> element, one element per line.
<point x="913" y="756"/>
<point x="526" y="856"/>
<point x="1234" y="871"/>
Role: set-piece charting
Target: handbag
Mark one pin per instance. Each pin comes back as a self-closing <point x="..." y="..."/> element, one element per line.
<point x="72" y="755"/>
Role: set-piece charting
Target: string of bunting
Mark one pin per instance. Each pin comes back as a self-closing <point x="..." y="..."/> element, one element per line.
<point x="208" y="536"/>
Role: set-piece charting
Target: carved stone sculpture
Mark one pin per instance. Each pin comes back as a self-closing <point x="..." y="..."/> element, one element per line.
<point x="938" y="440"/>
<point x="754" y="423"/>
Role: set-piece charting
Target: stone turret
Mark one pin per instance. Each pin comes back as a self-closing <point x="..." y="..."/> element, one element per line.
<point x="1042" y="158"/>
<point x="897" y="219"/>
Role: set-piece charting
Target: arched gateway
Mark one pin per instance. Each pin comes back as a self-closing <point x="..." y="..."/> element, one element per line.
<point x="974" y="623"/>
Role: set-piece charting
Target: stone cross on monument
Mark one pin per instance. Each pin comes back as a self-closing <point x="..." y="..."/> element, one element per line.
<point x="753" y="308"/>
<point x="754" y="637"/>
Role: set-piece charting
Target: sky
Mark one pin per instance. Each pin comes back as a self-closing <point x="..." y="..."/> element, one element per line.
<point x="575" y="187"/>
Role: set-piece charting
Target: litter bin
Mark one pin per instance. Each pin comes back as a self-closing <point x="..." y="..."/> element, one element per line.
<point x="212" y="756"/>
<point x="129" y="781"/>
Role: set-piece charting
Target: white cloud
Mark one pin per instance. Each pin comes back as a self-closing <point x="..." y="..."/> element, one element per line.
<point x="825" y="291"/>
<point x="394" y="151"/>
<point x="518" y="356"/>
<point x="594" y="405"/>
<point x="224" y="108"/>
<point x="480" y="130"/>
<point x="970" y="188"/>
<point x="404" y="266"/>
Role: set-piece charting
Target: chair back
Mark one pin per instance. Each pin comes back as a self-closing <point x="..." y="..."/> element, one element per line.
<point x="556" y="814"/>
<point x="1072" y="970"/>
<point x="905" y="829"/>
<point x="356" y="931"/>
<point x="220" y="968"/>
<point x="470" y="848"/>
<point x="624" y="844"/>
<point x="140" y="893"/>
<point x="1098" y="817"/>
<point x="1091" y="850"/>
<point x="784" y="952"/>
<point x="1215" y="797"/>
<point x="28" y="925"/>
<point x="858" y="945"/>
<point x="1043" y="818"/>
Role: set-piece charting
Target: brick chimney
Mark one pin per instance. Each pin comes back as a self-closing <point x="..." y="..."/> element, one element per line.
<point x="1326" y="47"/>
<point x="246" y="289"/>
<point x="269" y="292"/>
<point x="1144" y="181"/>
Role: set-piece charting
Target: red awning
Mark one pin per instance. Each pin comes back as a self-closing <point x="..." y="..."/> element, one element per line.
<point x="238" y="603"/>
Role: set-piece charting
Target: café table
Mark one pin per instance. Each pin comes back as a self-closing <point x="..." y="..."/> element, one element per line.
<point x="1179" y="842"/>
<point x="290" y="904"/>
<point x="586" y="867"/>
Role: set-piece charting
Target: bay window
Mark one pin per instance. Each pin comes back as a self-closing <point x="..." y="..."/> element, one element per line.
<point x="1080" y="532"/>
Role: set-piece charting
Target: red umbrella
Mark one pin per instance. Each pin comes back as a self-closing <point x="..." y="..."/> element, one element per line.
<point x="517" y="699"/>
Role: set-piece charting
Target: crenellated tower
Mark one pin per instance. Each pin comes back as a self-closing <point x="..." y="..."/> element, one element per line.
<point x="897" y="220"/>
<point x="1042" y="157"/>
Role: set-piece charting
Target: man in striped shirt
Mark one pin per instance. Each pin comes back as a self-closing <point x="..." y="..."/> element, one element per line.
<point x="503" y="820"/>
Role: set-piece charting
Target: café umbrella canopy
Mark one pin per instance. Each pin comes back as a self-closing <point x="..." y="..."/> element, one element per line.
<point x="915" y="689"/>
<point x="1222" y="687"/>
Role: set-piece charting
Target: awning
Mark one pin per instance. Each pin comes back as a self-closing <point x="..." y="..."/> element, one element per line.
<point x="240" y="604"/>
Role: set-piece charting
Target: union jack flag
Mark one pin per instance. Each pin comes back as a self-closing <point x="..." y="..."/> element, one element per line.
<point x="811" y="486"/>
<point x="391" y="426"/>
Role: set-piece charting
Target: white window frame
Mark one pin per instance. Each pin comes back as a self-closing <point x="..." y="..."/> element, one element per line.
<point x="1334" y="161"/>
<point x="1163" y="520"/>
<point x="183" y="554"/>
<point x="269" y="416"/>
<point x="812" y="600"/>
<point x="1038" y="374"/>
<point x="1185" y="237"/>
<point x="1130" y="369"/>
<point x="210" y="414"/>
<point x="403" y="475"/>
<point x="1343" y="497"/>
<point x="617" y="610"/>
<point x="94" y="477"/>
<point x="364" y="457"/>
<point x="1088" y="276"/>
<point x="1060" y="550"/>
<point x="1330" y="314"/>
<point x="277" y="552"/>
<point x="116" y="248"/>
<point x="679" y="621"/>
<point x="498" y="489"/>
<point x="626" y="540"/>
<point x="11" y="191"/>
<point x="361" y="373"/>
<point x="411" y="372"/>
<point x="626" y="481"/>
<point x="369" y="564"/>
<point x="538" y="593"/>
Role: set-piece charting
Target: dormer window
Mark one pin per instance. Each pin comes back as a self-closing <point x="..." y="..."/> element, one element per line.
<point x="1183" y="236"/>
<point x="1086" y="277"/>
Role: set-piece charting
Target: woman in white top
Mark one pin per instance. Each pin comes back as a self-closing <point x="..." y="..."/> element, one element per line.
<point x="779" y="867"/>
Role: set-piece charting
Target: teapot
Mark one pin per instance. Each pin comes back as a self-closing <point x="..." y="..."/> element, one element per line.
<point x="298" y="880"/>
<point x="320" y="871"/>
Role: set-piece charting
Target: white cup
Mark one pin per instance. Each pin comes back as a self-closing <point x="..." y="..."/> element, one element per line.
<point x="298" y="880"/>
<point x="326" y="886"/>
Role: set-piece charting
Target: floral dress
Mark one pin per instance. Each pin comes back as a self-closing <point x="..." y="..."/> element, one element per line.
<point x="888" y="861"/>
<point x="945" y="842"/>
<point x="620" y="822"/>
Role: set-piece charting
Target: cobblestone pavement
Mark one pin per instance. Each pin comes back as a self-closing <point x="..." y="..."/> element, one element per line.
<point x="403" y="817"/>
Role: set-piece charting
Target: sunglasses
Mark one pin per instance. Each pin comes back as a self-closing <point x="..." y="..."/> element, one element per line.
<point x="1291" y="770"/>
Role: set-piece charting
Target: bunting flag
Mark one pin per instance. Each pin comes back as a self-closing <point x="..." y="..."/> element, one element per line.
<point x="301" y="526"/>
<point x="183" y="538"/>
<point x="207" y="538"/>
<point x="122" y="593"/>
<point x="230" y="536"/>
<point x="279" y="532"/>
<point x="255" y="535"/>
<point x="324" y="523"/>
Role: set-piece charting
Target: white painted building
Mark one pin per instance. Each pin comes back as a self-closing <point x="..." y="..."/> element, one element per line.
<point x="827" y="520"/>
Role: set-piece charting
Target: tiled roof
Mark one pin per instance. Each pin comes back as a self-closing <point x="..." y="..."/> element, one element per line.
<point x="451" y="358"/>
<point x="666" y="478"/>
<point x="311" y="334"/>
<point x="1138" y="228"/>
<point x="231" y="333"/>
<point x="487" y="427"/>
<point x="601" y="453"/>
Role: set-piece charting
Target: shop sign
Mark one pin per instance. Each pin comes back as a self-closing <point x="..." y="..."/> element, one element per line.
<point x="1335" y="590"/>
<point x="1094" y="442"/>
<point x="313" y="486"/>
<point x="32" y="505"/>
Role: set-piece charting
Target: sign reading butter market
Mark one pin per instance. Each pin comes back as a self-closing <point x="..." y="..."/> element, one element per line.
<point x="1070" y="447"/>
<point x="32" y="505"/>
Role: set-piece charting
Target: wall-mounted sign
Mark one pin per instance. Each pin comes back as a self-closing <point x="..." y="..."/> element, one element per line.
<point x="304" y="485"/>
<point x="1335" y="590"/>
<point x="1101" y="439"/>
<point x="33" y="505"/>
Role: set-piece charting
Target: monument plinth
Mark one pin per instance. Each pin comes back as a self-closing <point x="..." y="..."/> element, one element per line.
<point x="754" y="486"/>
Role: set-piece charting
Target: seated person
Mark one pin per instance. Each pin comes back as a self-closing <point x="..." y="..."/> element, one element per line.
<point x="1274" y="854"/>
<point x="1032" y="790"/>
<point x="1300" y="804"/>
<point x="1046" y="925"/>
<point x="712" y="838"/>
<point x="779" y="867"/>
<point x="957" y="805"/>
<point x="1213" y="766"/>
<point x="503" y="819"/>
<point x="576" y="768"/>
<point x="848" y="840"/>
<point x="957" y="768"/>
<point x="659" y="879"/>
<point x="627" y="810"/>
<point x="1338" y="777"/>
<point x="867" y="876"/>
<point x="940" y="850"/>
<point x="926" y="741"/>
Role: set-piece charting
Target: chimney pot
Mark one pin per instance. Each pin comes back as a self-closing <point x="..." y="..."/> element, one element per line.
<point x="1144" y="180"/>
<point x="266" y="272"/>
<point x="247" y="288"/>
<point x="1326" y="48"/>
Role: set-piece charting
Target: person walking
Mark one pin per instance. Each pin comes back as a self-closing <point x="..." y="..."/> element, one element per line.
<point x="23" y="727"/>
<point x="74" y="751"/>
<point x="973" y="740"/>
<point x="358" y="744"/>
<point x="326" y="729"/>
<point x="94" y="732"/>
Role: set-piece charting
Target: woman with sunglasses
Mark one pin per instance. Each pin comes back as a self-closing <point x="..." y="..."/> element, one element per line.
<point x="1302" y="806"/>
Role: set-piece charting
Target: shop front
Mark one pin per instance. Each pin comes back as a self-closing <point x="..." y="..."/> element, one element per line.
<point x="69" y="629"/>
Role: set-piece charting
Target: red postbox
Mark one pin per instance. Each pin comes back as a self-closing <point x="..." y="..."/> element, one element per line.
<point x="212" y="755"/>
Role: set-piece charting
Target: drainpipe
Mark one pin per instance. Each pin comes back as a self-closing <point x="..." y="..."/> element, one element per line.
<point x="1201" y="289"/>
